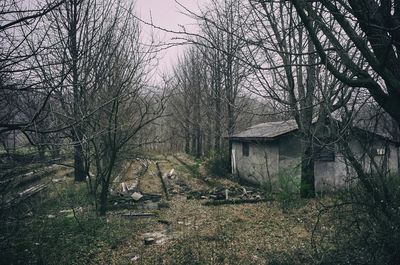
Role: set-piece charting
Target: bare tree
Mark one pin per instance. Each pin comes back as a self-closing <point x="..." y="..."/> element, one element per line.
<point x="373" y="28"/>
<point x="18" y="23"/>
<point x="285" y="70"/>
<point x="80" y="32"/>
<point x="125" y="104"/>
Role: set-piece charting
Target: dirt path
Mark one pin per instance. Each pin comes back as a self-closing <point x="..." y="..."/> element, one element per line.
<point x="190" y="233"/>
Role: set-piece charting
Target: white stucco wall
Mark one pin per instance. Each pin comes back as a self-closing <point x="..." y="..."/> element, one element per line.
<point x="284" y="154"/>
<point x="261" y="164"/>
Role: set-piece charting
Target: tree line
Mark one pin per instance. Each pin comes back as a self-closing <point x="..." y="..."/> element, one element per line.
<point x="328" y="65"/>
<point x="74" y="79"/>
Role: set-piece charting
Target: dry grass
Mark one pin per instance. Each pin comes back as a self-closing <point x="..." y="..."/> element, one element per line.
<point x="231" y="234"/>
<point x="150" y="182"/>
<point x="195" y="234"/>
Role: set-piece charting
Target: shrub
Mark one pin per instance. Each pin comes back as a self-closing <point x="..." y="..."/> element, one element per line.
<point x="366" y="225"/>
<point x="217" y="163"/>
<point x="288" y="188"/>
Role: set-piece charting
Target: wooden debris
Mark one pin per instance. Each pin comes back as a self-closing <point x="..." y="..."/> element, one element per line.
<point x="123" y="186"/>
<point x="139" y="215"/>
<point x="151" y="197"/>
<point x="32" y="190"/>
<point x="236" y="201"/>
<point x="28" y="178"/>
<point x="23" y="195"/>
<point x="164" y="222"/>
<point x="164" y="185"/>
<point x="171" y="174"/>
<point x="63" y="179"/>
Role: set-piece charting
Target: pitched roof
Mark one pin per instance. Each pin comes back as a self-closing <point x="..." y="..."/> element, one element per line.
<point x="271" y="130"/>
<point x="267" y="130"/>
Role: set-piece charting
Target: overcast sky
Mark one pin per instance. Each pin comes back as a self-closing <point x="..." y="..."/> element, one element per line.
<point x="166" y="14"/>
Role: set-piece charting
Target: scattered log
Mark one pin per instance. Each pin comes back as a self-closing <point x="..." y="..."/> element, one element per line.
<point x="145" y="167"/>
<point x="139" y="215"/>
<point x="28" y="178"/>
<point x="164" y="185"/>
<point x="236" y="201"/>
<point x="36" y="175"/>
<point x="151" y="197"/>
<point x="63" y="179"/>
<point x="123" y="186"/>
<point x="164" y="222"/>
<point x="31" y="191"/>
<point x="171" y="174"/>
<point x="23" y="195"/>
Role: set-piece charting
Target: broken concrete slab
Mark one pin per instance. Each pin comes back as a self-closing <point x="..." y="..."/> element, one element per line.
<point x="149" y="240"/>
<point x="159" y="237"/>
<point x="136" y="196"/>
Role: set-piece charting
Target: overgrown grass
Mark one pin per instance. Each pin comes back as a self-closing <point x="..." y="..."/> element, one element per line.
<point x="217" y="164"/>
<point x="50" y="233"/>
<point x="285" y="189"/>
<point x="366" y="224"/>
<point x="62" y="228"/>
<point x="192" y="168"/>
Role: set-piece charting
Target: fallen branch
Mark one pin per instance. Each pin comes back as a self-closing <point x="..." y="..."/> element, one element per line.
<point x="164" y="185"/>
<point x="23" y="195"/>
<point x="29" y="177"/>
<point x="227" y="202"/>
<point x="139" y="215"/>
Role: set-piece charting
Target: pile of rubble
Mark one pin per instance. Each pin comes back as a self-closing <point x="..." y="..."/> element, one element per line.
<point x="173" y="184"/>
<point x="228" y="195"/>
<point x="126" y="193"/>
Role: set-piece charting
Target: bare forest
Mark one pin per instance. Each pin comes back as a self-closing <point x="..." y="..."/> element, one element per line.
<point x="273" y="138"/>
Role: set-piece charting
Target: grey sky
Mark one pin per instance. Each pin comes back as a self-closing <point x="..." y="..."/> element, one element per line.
<point x="166" y="14"/>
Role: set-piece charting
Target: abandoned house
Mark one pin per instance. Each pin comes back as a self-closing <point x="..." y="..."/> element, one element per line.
<point x="264" y="151"/>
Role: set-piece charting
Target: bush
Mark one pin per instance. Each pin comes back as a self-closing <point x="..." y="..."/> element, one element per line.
<point x="288" y="188"/>
<point x="366" y="225"/>
<point x="217" y="164"/>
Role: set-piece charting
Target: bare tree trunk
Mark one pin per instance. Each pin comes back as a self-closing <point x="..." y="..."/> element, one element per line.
<point x="42" y="152"/>
<point x="187" y="140"/>
<point x="103" y="199"/>
<point x="79" y="165"/>
<point x="307" y="187"/>
<point x="73" y="8"/>
<point x="217" y="121"/>
<point x="208" y="137"/>
<point x="199" y="143"/>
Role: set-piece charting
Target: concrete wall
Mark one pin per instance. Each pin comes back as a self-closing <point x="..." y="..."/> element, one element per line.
<point x="393" y="158"/>
<point x="261" y="164"/>
<point x="330" y="175"/>
<point x="290" y="153"/>
<point x="392" y="152"/>
<point x="266" y="159"/>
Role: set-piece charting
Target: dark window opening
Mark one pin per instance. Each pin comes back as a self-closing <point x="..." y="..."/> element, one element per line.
<point x="325" y="154"/>
<point x="245" y="149"/>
